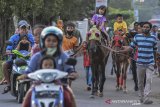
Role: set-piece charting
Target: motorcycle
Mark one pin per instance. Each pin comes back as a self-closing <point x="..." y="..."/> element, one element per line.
<point x="20" y="64"/>
<point x="47" y="90"/>
<point x="47" y="93"/>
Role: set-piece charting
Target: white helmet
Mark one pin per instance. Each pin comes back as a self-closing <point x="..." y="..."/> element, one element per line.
<point x="51" y="30"/>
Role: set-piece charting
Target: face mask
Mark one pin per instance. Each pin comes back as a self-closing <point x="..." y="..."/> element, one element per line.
<point x="70" y="32"/>
<point x="51" y="51"/>
<point x="146" y="31"/>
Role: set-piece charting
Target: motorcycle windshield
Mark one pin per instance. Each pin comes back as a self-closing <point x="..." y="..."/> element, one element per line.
<point x="47" y="75"/>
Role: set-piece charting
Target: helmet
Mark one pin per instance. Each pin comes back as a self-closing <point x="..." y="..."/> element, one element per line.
<point x="53" y="31"/>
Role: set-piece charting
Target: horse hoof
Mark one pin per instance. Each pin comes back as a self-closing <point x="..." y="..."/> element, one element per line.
<point x="117" y="88"/>
<point x="91" y="96"/>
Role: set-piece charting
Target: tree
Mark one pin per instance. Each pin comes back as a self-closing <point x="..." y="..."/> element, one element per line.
<point x="120" y="4"/>
<point x="40" y="11"/>
<point x="5" y="20"/>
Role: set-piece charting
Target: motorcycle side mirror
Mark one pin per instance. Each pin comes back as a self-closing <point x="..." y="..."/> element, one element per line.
<point x="8" y="43"/>
<point x="71" y="61"/>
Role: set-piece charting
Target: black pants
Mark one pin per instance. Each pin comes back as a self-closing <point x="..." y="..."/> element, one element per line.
<point x="134" y="72"/>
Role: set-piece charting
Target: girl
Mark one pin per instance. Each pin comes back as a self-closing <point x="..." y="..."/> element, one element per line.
<point x="99" y="19"/>
<point x="82" y="50"/>
<point x="87" y="66"/>
<point x="47" y="62"/>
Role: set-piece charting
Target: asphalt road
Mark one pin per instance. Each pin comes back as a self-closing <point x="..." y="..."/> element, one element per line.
<point x="112" y="98"/>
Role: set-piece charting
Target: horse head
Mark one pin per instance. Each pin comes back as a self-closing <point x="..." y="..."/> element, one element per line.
<point x="118" y="41"/>
<point x="94" y="38"/>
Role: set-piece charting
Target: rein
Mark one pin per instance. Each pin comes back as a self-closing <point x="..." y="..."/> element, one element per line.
<point x="76" y="51"/>
<point x="112" y="50"/>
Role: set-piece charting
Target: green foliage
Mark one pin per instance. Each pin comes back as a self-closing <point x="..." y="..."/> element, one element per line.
<point x="37" y="11"/>
<point x="77" y="9"/>
<point x="121" y="4"/>
<point x="128" y="15"/>
<point x="40" y="11"/>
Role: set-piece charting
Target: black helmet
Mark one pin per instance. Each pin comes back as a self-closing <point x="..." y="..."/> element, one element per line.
<point x="51" y="30"/>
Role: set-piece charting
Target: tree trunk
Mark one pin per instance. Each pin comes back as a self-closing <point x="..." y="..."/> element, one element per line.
<point x="4" y="31"/>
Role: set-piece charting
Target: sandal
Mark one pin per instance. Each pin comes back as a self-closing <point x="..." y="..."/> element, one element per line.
<point x="6" y="89"/>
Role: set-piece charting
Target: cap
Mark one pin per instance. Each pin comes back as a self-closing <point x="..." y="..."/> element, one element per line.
<point x="23" y="23"/>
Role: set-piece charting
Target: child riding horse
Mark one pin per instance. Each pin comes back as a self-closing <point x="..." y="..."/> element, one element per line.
<point x="120" y="62"/>
<point x="98" y="59"/>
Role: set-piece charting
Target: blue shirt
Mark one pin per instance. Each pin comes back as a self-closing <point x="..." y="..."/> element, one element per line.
<point x="15" y="39"/>
<point x="34" y="63"/>
<point x="155" y="34"/>
<point x="147" y="45"/>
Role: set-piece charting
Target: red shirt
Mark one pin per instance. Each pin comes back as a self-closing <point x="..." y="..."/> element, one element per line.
<point x="86" y="60"/>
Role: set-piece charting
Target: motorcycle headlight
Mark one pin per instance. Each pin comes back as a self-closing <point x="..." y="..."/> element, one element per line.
<point x="48" y="94"/>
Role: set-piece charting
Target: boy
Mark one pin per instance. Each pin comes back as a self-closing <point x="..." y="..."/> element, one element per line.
<point x="120" y="24"/>
<point x="70" y="42"/>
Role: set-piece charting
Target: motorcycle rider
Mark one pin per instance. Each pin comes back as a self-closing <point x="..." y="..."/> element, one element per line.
<point x="51" y="44"/>
<point x="14" y="39"/>
<point x="51" y="41"/>
<point x="24" y="44"/>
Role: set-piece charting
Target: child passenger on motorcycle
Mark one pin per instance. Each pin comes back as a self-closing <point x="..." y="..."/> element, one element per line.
<point x="24" y="44"/>
<point x="47" y="62"/>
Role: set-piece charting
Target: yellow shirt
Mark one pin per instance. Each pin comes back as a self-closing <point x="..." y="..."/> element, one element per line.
<point x="122" y="26"/>
<point x="69" y="43"/>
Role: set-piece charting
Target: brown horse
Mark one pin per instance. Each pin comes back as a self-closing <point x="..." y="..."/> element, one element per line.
<point x="120" y="62"/>
<point x="98" y="59"/>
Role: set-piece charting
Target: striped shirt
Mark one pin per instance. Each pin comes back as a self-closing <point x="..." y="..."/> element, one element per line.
<point x="147" y="45"/>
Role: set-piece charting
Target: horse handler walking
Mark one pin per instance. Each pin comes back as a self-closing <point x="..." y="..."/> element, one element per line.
<point x="146" y="60"/>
